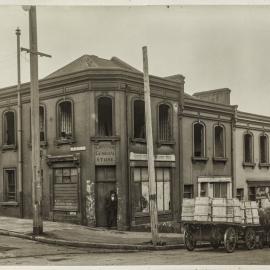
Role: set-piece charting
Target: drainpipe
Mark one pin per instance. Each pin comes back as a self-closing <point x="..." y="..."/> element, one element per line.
<point x="233" y="152"/>
<point x="19" y="123"/>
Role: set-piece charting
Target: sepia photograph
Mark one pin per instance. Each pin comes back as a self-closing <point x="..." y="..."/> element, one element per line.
<point x="134" y="135"/>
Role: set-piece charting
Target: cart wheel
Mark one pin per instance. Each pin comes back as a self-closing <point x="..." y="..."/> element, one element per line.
<point x="215" y="244"/>
<point x="250" y="238"/>
<point x="190" y="243"/>
<point x="230" y="239"/>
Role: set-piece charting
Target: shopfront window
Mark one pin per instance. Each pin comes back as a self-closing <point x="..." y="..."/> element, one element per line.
<point x="141" y="189"/>
<point x="220" y="190"/>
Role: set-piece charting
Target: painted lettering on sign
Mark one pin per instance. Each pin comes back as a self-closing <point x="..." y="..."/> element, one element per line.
<point x="105" y="154"/>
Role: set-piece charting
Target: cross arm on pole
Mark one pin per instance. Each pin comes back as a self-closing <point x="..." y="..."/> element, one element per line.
<point x="37" y="53"/>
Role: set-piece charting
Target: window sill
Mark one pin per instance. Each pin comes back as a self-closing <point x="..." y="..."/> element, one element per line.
<point x="199" y="159"/>
<point x="220" y="159"/>
<point x="59" y="141"/>
<point x="249" y="164"/>
<point x="264" y="165"/>
<point x="9" y="147"/>
<point x="9" y="203"/>
<point x="166" y="143"/>
<point x="138" y="140"/>
<point x="104" y="138"/>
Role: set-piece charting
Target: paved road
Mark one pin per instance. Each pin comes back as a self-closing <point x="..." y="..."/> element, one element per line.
<point x="24" y="252"/>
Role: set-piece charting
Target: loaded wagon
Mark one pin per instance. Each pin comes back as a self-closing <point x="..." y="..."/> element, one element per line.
<point x="223" y="221"/>
<point x="230" y="234"/>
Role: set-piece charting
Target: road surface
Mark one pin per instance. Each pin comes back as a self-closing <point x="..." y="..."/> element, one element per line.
<point x="16" y="251"/>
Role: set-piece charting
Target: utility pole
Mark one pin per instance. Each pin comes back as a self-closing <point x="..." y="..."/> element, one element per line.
<point x="19" y="122"/>
<point x="150" y="152"/>
<point x="35" y="130"/>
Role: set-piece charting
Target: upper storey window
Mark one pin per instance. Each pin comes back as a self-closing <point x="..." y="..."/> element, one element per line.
<point x="248" y="148"/>
<point x="164" y="117"/>
<point x="138" y="119"/>
<point x="219" y="143"/>
<point x="65" y="120"/>
<point x="264" y="149"/>
<point x="105" y="127"/>
<point x="198" y="140"/>
<point x="9" y="134"/>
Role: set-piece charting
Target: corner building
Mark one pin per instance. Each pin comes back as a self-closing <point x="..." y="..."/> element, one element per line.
<point x="92" y="133"/>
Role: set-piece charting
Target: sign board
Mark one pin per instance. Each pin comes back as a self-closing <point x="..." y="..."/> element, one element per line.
<point x="105" y="154"/>
<point x="78" y="148"/>
<point x="137" y="156"/>
<point x="207" y="179"/>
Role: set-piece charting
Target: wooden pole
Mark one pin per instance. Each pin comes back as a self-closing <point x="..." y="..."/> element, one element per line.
<point x="150" y="152"/>
<point x="19" y="122"/>
<point x="36" y="173"/>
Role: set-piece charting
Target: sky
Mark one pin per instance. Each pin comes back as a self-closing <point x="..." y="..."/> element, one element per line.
<point x="212" y="46"/>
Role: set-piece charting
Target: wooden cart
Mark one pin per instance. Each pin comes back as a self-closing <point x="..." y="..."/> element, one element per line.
<point x="230" y="234"/>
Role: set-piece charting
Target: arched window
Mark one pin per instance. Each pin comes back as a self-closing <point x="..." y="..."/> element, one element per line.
<point x="198" y="140"/>
<point x="138" y="119"/>
<point x="263" y="148"/>
<point x="42" y="123"/>
<point x="164" y="125"/>
<point x="248" y="148"/>
<point x="65" y="120"/>
<point x="219" y="141"/>
<point x="105" y="127"/>
<point x="9" y="134"/>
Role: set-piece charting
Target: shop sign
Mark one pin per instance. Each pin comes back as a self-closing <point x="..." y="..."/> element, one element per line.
<point x="77" y="148"/>
<point x="137" y="156"/>
<point x="105" y="154"/>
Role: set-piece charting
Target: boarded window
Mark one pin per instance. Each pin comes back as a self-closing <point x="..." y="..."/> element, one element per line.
<point x="199" y="140"/>
<point x="42" y="122"/>
<point x="219" y="141"/>
<point x="65" y="189"/>
<point x="188" y="191"/>
<point x="10" y="184"/>
<point x="164" y="122"/>
<point x="65" y="120"/>
<point x="263" y="149"/>
<point x="9" y="128"/>
<point x="141" y="189"/>
<point x="105" y="116"/>
<point x="248" y="144"/>
<point x="139" y="120"/>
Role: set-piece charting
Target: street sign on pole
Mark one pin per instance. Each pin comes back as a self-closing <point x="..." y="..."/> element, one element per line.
<point x="150" y="152"/>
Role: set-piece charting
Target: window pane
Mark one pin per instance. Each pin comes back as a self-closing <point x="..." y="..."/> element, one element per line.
<point x="144" y="174"/>
<point x="167" y="175"/>
<point x="58" y="172"/>
<point x="66" y="179"/>
<point x="66" y="172"/>
<point x="74" y="179"/>
<point x="188" y="191"/>
<point x="167" y="196"/>
<point x="145" y="197"/>
<point x="223" y="190"/>
<point x="73" y="171"/>
<point x="137" y="174"/>
<point x="159" y="174"/>
<point x="160" y="196"/>
<point x="204" y="189"/>
<point x="58" y="179"/>
<point x="110" y="173"/>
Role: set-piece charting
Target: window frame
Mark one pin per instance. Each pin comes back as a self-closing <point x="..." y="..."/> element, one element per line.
<point x="97" y="119"/>
<point x="5" y="185"/>
<point x="170" y="139"/>
<point x="245" y="163"/>
<point x="264" y="164"/>
<point x="191" y="192"/>
<point x="6" y="146"/>
<point x="204" y="157"/>
<point x="59" y="139"/>
<point x="215" y="157"/>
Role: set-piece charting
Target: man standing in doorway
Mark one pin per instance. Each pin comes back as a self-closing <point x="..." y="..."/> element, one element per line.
<point x="111" y="209"/>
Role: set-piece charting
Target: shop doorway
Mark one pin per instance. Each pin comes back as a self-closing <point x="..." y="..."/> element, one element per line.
<point x="105" y="185"/>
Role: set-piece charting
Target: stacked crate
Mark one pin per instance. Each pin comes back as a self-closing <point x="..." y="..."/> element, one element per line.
<point x="248" y="212"/>
<point x="202" y="210"/>
<point x="237" y="218"/>
<point x="219" y="210"/>
<point x="255" y="213"/>
<point x="229" y="210"/>
<point x="242" y="209"/>
<point x="188" y="209"/>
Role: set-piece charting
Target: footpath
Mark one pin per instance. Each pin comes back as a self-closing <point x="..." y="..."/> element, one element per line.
<point x="83" y="236"/>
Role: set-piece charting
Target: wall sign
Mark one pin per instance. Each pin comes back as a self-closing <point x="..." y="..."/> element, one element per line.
<point x="78" y="148"/>
<point x="105" y="154"/>
<point x="137" y="156"/>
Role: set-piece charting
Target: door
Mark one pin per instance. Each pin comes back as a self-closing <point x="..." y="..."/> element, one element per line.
<point x="105" y="183"/>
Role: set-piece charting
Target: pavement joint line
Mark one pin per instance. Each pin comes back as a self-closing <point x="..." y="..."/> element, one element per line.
<point x="63" y="242"/>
